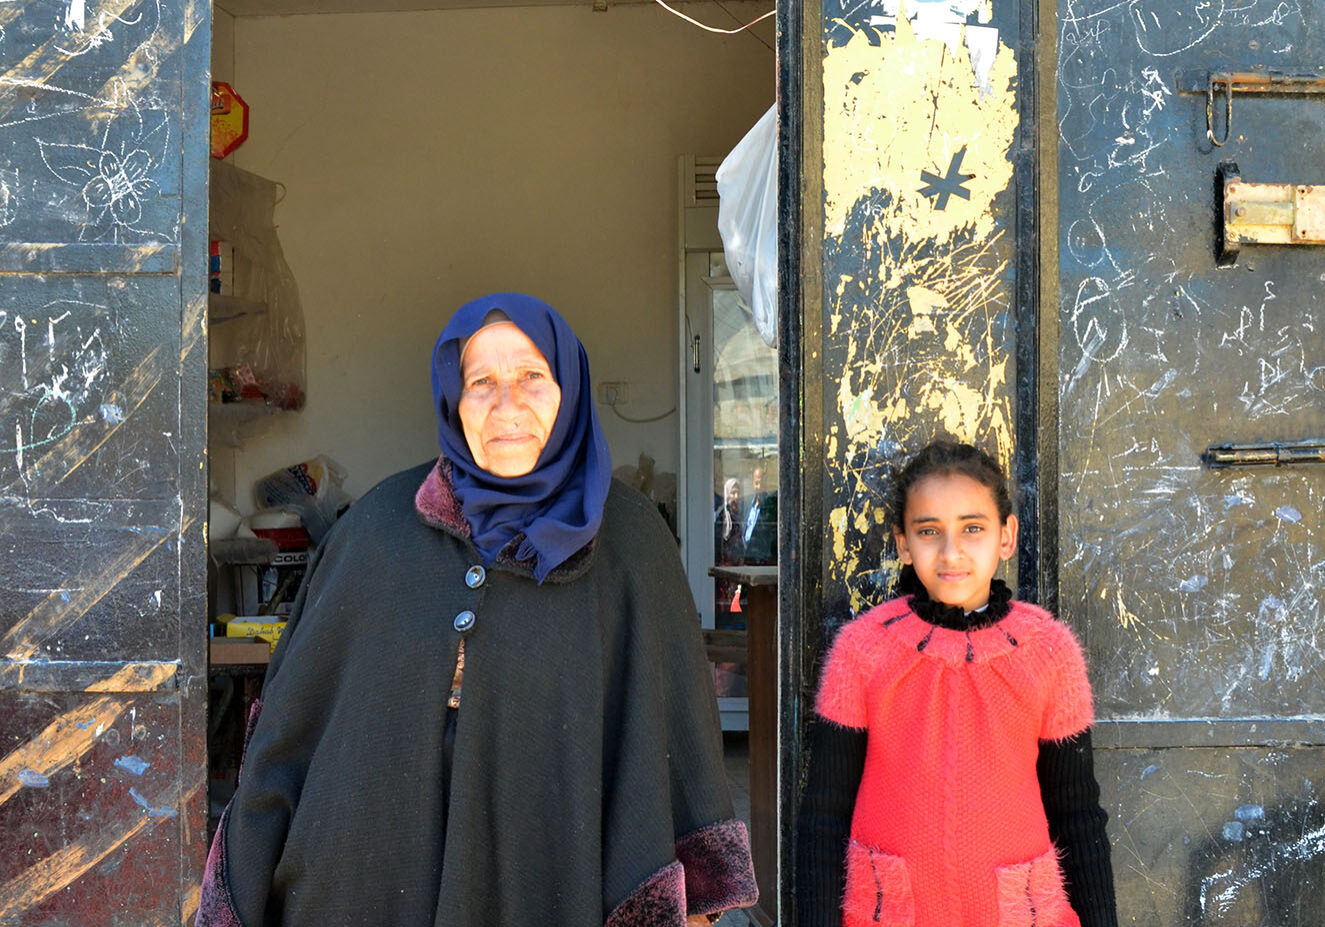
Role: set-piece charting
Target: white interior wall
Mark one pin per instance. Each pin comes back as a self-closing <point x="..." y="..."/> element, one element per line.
<point x="433" y="157"/>
<point x="223" y="45"/>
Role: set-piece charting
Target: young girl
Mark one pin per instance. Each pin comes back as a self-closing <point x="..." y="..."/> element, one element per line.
<point x="951" y="782"/>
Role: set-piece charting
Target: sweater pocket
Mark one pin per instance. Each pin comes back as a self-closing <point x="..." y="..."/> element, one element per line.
<point x="878" y="889"/>
<point x="1031" y="894"/>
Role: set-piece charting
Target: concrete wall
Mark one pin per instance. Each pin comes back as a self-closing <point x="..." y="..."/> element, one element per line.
<point x="432" y="157"/>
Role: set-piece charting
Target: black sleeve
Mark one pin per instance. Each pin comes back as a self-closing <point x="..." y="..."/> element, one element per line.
<point x="1077" y="826"/>
<point x="837" y="761"/>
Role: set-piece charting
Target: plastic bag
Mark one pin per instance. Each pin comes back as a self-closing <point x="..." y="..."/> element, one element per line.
<point x="258" y="350"/>
<point x="311" y="489"/>
<point x="747" y="221"/>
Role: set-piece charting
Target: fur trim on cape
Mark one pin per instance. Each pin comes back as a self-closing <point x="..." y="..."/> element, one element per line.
<point x="254" y="712"/>
<point x="215" y="908"/>
<point x="660" y="901"/>
<point x="439" y="508"/>
<point x="712" y="872"/>
<point x="1074" y="707"/>
<point x="719" y="873"/>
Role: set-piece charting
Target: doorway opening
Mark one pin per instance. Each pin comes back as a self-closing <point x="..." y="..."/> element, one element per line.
<point x="418" y="157"/>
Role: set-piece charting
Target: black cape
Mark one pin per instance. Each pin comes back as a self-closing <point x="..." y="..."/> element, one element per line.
<point x="587" y="783"/>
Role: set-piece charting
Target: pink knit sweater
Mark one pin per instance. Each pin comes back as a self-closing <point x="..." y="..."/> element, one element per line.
<point x="948" y="827"/>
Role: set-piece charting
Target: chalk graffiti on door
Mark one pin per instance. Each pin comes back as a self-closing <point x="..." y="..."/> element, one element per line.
<point x="53" y="369"/>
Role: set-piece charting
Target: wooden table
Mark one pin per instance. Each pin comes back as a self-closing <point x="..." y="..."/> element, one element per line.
<point x="761" y="673"/>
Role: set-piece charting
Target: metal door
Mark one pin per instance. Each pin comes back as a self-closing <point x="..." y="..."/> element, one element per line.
<point x="1133" y="347"/>
<point x="1199" y="587"/>
<point x="103" y="158"/>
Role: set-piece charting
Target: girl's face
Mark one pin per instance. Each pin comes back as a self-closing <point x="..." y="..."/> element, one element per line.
<point x="953" y="538"/>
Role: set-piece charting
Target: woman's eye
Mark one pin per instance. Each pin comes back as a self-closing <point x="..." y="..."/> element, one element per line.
<point x="927" y="532"/>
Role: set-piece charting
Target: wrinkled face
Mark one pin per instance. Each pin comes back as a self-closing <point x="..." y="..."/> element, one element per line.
<point x="953" y="537"/>
<point x="509" y="400"/>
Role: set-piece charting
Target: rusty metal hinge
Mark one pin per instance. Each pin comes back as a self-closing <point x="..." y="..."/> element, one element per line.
<point x="1274" y="454"/>
<point x="1211" y="83"/>
<point x="1266" y="213"/>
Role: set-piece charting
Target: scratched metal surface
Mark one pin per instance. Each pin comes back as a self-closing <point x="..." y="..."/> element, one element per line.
<point x="103" y="135"/>
<point x="919" y="263"/>
<point x="1217" y="837"/>
<point x="90" y="821"/>
<point x="1200" y="592"/>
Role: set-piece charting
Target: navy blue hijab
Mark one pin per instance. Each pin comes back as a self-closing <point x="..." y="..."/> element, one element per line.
<point x="558" y="505"/>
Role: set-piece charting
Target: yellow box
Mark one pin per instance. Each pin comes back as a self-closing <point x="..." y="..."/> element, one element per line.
<point x="261" y="628"/>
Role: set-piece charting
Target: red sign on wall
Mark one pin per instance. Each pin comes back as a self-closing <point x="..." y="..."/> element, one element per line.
<point x="229" y="119"/>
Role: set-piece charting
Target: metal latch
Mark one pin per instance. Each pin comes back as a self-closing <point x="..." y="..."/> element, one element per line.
<point x="1268" y="213"/>
<point x="1274" y="454"/>
<point x="1213" y="83"/>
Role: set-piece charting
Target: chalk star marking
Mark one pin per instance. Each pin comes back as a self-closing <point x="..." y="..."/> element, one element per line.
<point x="949" y="185"/>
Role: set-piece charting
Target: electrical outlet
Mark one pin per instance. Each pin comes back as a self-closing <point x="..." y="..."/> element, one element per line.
<point x="614" y="392"/>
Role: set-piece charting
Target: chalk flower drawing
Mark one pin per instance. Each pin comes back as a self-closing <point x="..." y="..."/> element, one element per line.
<point x="120" y="185"/>
<point x="114" y="177"/>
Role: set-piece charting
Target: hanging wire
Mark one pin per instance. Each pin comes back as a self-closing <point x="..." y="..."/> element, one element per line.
<point x="736" y="19"/>
<point x="642" y="421"/>
<point x="715" y="29"/>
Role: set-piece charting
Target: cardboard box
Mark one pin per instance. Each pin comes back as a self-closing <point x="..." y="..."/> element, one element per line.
<point x="232" y="651"/>
<point x="262" y="627"/>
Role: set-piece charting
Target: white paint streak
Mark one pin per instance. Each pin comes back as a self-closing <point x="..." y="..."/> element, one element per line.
<point x="1308" y="846"/>
<point x="76" y="16"/>
<point x="948" y="21"/>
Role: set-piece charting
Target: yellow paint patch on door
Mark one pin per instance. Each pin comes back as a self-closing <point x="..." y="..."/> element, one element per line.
<point x="837" y="525"/>
<point x="136" y="677"/>
<point x="915" y="154"/>
<point x="82" y="591"/>
<point x="64" y="740"/>
<point x="924" y="304"/>
<point x="896" y="106"/>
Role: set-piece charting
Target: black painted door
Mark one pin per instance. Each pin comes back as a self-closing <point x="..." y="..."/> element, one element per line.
<point x="1199" y="591"/>
<point x="103" y="158"/>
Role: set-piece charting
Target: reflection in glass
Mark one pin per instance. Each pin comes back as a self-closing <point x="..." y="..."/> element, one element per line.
<point x="745" y="462"/>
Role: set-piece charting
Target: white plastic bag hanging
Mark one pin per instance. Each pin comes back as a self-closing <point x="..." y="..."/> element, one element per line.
<point x="747" y="221"/>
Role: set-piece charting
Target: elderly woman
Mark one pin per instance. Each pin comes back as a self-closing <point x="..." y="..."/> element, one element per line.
<point x="490" y="706"/>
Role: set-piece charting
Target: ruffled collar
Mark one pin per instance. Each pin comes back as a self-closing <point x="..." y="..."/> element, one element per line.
<point x="954" y="618"/>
